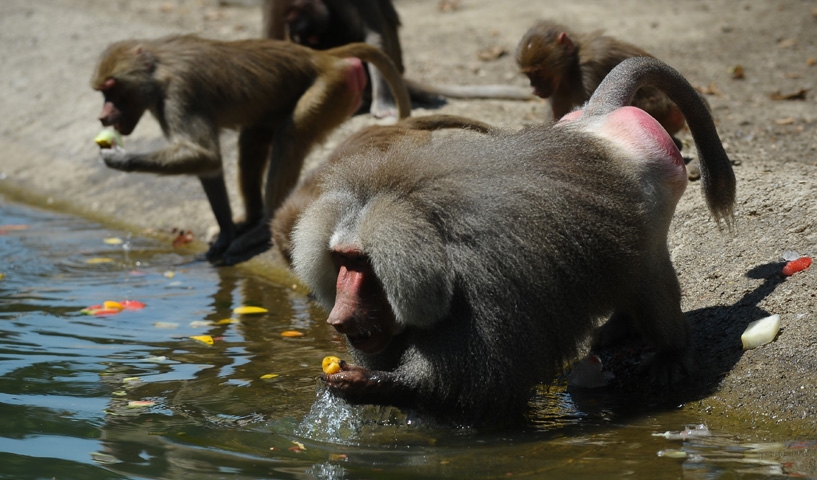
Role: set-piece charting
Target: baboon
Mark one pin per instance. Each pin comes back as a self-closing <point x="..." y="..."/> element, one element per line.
<point x="566" y="68"/>
<point x="463" y="272"/>
<point x="283" y="97"/>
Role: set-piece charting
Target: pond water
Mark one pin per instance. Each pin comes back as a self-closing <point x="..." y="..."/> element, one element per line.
<point x="132" y="395"/>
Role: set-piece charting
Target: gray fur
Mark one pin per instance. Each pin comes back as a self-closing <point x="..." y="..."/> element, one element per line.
<point x="500" y="253"/>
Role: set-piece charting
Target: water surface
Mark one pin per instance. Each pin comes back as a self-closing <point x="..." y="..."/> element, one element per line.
<point x="68" y="382"/>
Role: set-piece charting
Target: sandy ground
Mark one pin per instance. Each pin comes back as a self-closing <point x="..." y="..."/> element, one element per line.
<point x="48" y="49"/>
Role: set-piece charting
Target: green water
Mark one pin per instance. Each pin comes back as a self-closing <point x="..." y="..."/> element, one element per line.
<point x="67" y="381"/>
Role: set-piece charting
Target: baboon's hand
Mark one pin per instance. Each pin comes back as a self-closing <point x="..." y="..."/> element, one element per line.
<point x="116" y="158"/>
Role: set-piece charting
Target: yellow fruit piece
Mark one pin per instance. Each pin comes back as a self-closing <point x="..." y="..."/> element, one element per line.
<point x="113" y="305"/>
<point x="249" y="310"/>
<point x="95" y="260"/>
<point x="226" y="321"/>
<point x="112" y="241"/>
<point x="268" y="376"/>
<point x="108" y="138"/>
<point x="206" y="339"/>
<point x="330" y="364"/>
<point x="291" y="333"/>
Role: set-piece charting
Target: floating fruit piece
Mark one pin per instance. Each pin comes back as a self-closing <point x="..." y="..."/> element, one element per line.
<point x="226" y="321"/>
<point x="95" y="260"/>
<point x="108" y="137"/>
<point x="795" y="266"/>
<point x="140" y="404"/>
<point x="206" y="339"/>
<point x="165" y="325"/>
<point x="130" y="379"/>
<point x="249" y="310"/>
<point x="330" y="364"/>
<point x="2" y="276"/>
<point x="200" y="323"/>
<point x="169" y="274"/>
<point x="113" y="305"/>
<point x="91" y="308"/>
<point x="760" y="332"/>
<point x="672" y="453"/>
<point x="291" y="333"/>
<point x="267" y="376"/>
<point x="112" y="241"/>
<point x="132" y="304"/>
<point x="99" y="310"/>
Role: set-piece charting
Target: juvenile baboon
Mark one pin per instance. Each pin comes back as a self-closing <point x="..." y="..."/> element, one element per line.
<point x="463" y="272"/>
<point x="566" y="68"/>
<point x="283" y="97"/>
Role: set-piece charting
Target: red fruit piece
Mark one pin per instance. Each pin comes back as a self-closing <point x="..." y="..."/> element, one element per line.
<point x="795" y="266"/>
<point x="132" y="304"/>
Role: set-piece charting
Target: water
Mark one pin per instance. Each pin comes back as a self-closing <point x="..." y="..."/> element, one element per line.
<point x="67" y="381"/>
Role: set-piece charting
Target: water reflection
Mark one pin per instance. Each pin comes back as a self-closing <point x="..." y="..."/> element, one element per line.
<point x="68" y="383"/>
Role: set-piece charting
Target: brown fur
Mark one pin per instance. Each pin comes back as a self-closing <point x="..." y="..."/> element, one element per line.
<point x="285" y="98"/>
<point x="322" y="24"/>
<point x="566" y="68"/>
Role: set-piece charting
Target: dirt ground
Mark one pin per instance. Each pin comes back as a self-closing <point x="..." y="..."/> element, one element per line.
<point x="48" y="49"/>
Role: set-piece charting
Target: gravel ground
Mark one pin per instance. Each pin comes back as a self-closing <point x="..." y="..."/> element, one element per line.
<point x="48" y="49"/>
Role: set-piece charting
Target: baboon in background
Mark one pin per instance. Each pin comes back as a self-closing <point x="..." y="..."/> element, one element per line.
<point x="566" y="68"/>
<point x="283" y="97"/>
<point x="463" y="272"/>
<point x="379" y="138"/>
<point x="323" y="24"/>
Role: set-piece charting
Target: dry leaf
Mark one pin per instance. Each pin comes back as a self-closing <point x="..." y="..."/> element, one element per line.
<point x="737" y="72"/>
<point x="784" y="121"/>
<point x="798" y="95"/>
<point x="787" y="43"/>
<point x="492" y="54"/>
<point x="710" y="89"/>
<point x="791" y="75"/>
<point x="448" y="5"/>
<point x="183" y="238"/>
<point x="811" y="61"/>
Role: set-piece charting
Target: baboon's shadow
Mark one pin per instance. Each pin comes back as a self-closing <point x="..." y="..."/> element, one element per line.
<point x="716" y="335"/>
